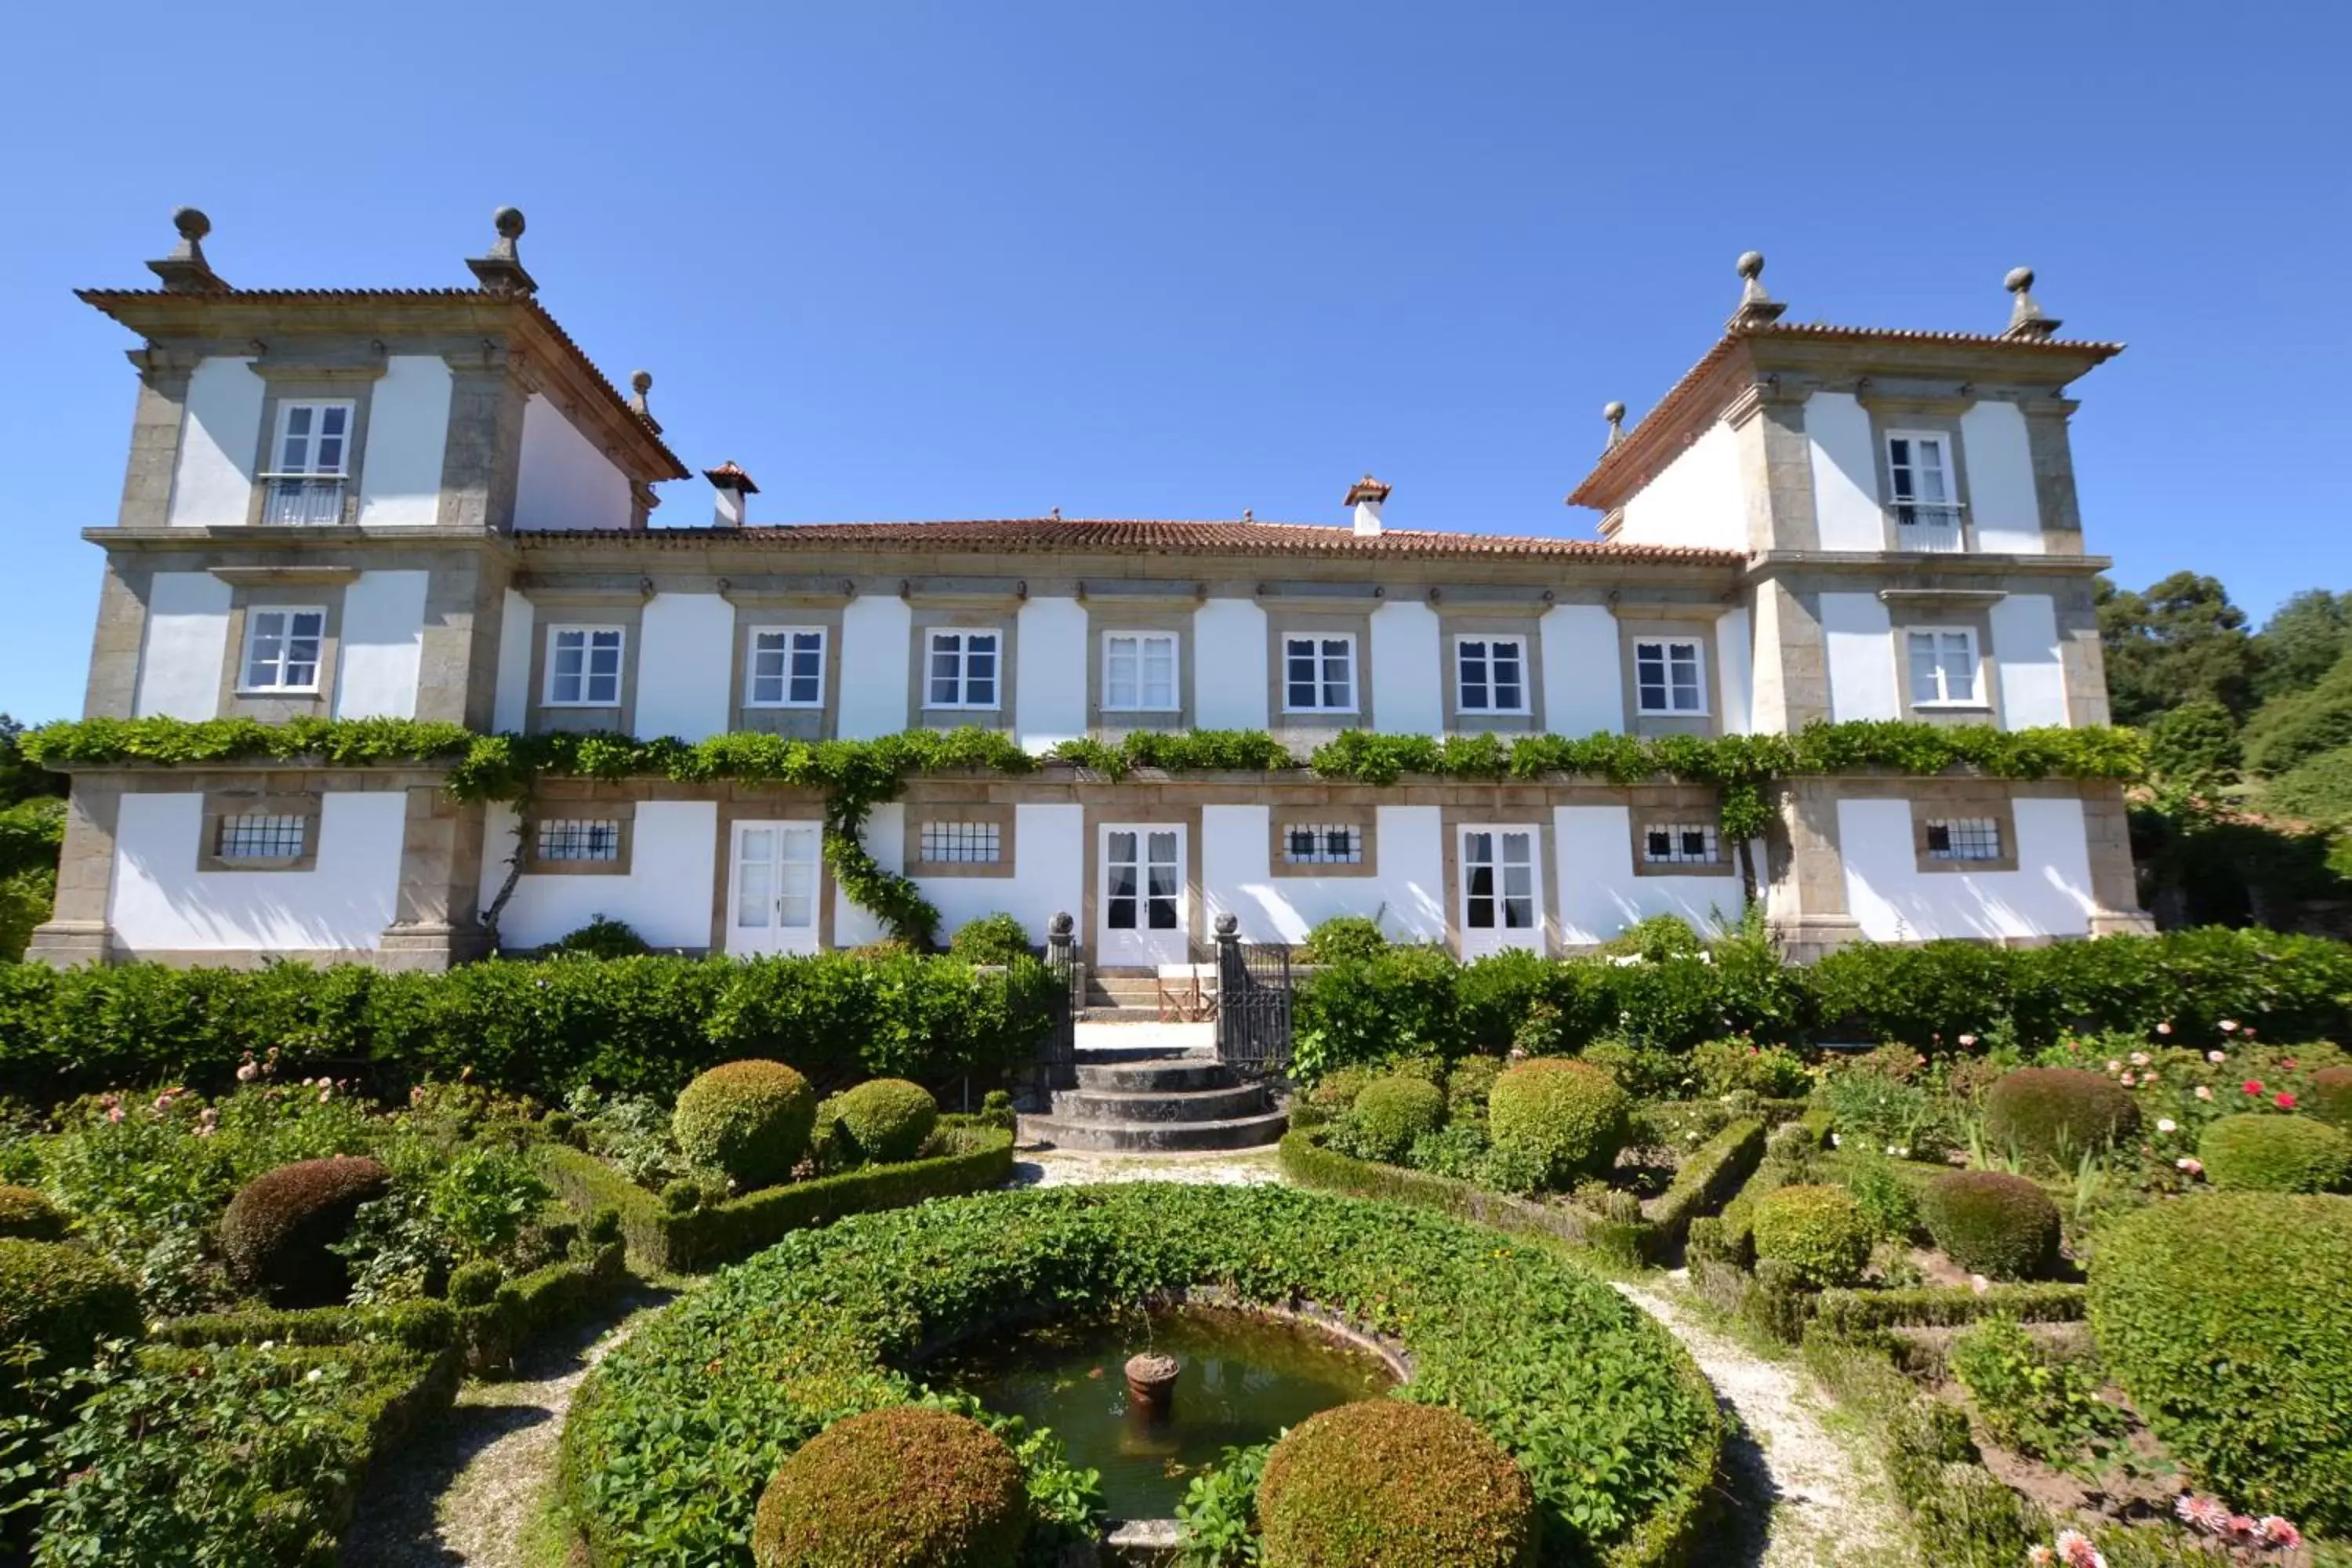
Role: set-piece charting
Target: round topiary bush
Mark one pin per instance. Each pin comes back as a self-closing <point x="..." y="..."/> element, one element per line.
<point x="997" y="938"/>
<point x="1387" y="1484"/>
<point x="2258" y="1153"/>
<point x="1819" y="1234"/>
<point x="1391" y="1112"/>
<point x="885" y="1118"/>
<point x="2228" y="1319"/>
<point x="902" y="1487"/>
<point x="2056" y="1112"/>
<point x="2330" y="1099"/>
<point x="1569" y="1115"/>
<point x="26" y="1213"/>
<point x="749" y="1119"/>
<point x="59" y="1301"/>
<point x="277" y="1231"/>
<point x="1990" y="1222"/>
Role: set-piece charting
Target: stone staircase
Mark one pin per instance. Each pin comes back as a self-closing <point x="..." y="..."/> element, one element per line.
<point x="1161" y="1093"/>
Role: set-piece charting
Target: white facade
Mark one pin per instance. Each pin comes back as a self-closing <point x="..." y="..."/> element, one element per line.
<point x="220" y="440"/>
<point x="161" y="903"/>
<point x="1894" y="901"/>
<point x="1698" y="498"/>
<point x="565" y="482"/>
<point x="407" y="434"/>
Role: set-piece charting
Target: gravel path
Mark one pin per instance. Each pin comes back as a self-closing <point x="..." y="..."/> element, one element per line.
<point x="1036" y="1167"/>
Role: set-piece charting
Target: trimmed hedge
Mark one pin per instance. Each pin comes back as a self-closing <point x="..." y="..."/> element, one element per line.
<point x="421" y="1325"/>
<point x="57" y="1301"/>
<point x="277" y="1232"/>
<point x="749" y="1119"/>
<point x="704" y="1237"/>
<point x="2057" y="1112"/>
<point x="1856" y="1312"/>
<point x="1390" y="1112"/>
<point x="1819" y="1233"/>
<point x="897" y="1488"/>
<point x="1569" y="1115"/>
<point x="1382" y="1483"/>
<point x="885" y="1118"/>
<point x="2262" y="1153"/>
<point x="1991" y="1223"/>
<point x="30" y="1216"/>
<point x="2228" y="1319"/>
<point x="2331" y="1097"/>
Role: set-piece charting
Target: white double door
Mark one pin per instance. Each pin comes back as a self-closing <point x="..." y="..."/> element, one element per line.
<point x="775" y="875"/>
<point x="1502" y="887"/>
<point x="1142" y="916"/>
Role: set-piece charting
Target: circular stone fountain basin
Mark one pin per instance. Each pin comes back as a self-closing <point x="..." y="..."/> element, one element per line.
<point x="1241" y="1379"/>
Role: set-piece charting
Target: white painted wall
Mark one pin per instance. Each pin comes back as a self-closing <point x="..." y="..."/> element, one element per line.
<point x="187" y="641"/>
<point x="510" y="700"/>
<point x="1408" y="896"/>
<point x="684" y="661"/>
<point x="1229" y="673"/>
<point x="1736" y="672"/>
<point x="382" y="644"/>
<point x="665" y="898"/>
<point x="1049" y="858"/>
<point x="1894" y="901"/>
<point x="1409" y="668"/>
<point x="1696" y="499"/>
<point x="2001" y="499"/>
<point x="1845" y="473"/>
<point x="161" y="903"/>
<point x="1860" y="637"/>
<point x="1049" y="676"/>
<point x="875" y="634"/>
<point x="886" y="839"/>
<point x="2025" y="648"/>
<point x="1583" y="675"/>
<point x="220" y="435"/>
<point x="565" y="481"/>
<point x="1600" y="895"/>
<point x="407" y="429"/>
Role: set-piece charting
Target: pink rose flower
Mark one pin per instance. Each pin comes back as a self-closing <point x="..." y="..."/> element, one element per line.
<point x="2217" y="1056"/>
<point x="2140" y="1058"/>
<point x="2204" y="1093"/>
<point x="2252" y="1086"/>
<point x="2164" y="1028"/>
<point x="2115" y="1065"/>
<point x="2191" y="1167"/>
<point x="2284" y="1100"/>
<point x="1968" y="1039"/>
<point x="2229" y="1026"/>
<point x="2126" y="1081"/>
<point x="2277" y="1532"/>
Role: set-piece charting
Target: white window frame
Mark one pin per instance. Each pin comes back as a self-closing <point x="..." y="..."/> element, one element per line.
<point x="269" y="825"/>
<point x="1141" y="702"/>
<point x="279" y="469"/>
<point x="587" y="674"/>
<point x="962" y="637"/>
<point x="1322" y="665"/>
<point x="254" y="615"/>
<point x="752" y="651"/>
<point x="1667" y="646"/>
<point x="1952" y="853"/>
<point x="1943" y="697"/>
<point x="1463" y="707"/>
<point x="959" y="841"/>
<point x="1950" y="469"/>
<point x="578" y="840"/>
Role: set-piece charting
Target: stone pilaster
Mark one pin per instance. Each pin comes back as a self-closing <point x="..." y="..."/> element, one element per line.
<point x="112" y="690"/>
<point x="77" y="931"/>
<point x="483" y="459"/>
<point x="2052" y="455"/>
<point x="155" y="436"/>
<point x="1776" y="468"/>
<point x="2115" y="880"/>
<point x="1791" y="670"/>
<point x="436" y="924"/>
<point x="1805" y="903"/>
<point x="2082" y="661"/>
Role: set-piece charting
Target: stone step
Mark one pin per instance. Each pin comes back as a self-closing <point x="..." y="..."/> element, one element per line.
<point x="1156" y="1137"/>
<point x="1223" y="1104"/>
<point x="1112" y="1013"/>
<point x="1162" y="1075"/>
<point x="1128" y="1039"/>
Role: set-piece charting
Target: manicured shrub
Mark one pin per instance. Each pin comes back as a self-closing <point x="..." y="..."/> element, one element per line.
<point x="884" y="1119"/>
<point x="2330" y="1099"/>
<point x="1391" y="1112"/>
<point x="26" y="1213"/>
<point x="2262" y="1154"/>
<point x="474" y="1284"/>
<point x="1724" y="1067"/>
<point x="2228" y="1319"/>
<point x="1341" y="938"/>
<point x="1569" y="1115"/>
<point x="999" y="937"/>
<point x="59" y="1301"/>
<point x="901" y="1488"/>
<point x="2056" y="1112"/>
<point x="1382" y="1483"/>
<point x="278" y="1231"/>
<point x="1819" y="1235"/>
<point x="749" y="1119"/>
<point x="1990" y="1222"/>
<point x="1470" y="1085"/>
<point x="1399" y="1000"/>
<point x="602" y="937"/>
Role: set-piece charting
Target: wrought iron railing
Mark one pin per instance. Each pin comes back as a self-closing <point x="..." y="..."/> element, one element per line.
<point x="303" y="500"/>
<point x="1933" y="527"/>
<point x="1252" y="1004"/>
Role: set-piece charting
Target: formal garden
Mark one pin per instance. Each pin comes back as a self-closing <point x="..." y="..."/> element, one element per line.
<point x="2060" y="1233"/>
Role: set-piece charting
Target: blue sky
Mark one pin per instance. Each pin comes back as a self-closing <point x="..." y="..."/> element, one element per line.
<point x="958" y="261"/>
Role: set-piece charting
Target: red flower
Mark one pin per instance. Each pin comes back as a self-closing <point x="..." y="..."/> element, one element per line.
<point x="2284" y="1100"/>
<point x="2252" y="1086"/>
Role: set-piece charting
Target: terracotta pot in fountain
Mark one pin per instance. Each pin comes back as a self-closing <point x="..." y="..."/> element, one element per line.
<point x="1152" y="1381"/>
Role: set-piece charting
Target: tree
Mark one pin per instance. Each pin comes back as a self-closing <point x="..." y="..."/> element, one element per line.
<point x="2287" y="731"/>
<point x="2302" y="642"/>
<point x="2180" y="640"/>
<point x="2194" y="746"/>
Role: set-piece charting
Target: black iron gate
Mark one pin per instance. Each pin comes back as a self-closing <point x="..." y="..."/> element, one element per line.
<point x="1252" y="1004"/>
<point x="1057" y="1058"/>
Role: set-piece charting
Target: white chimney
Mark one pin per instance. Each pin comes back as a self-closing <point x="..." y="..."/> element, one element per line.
<point x="733" y="485"/>
<point x="1366" y="496"/>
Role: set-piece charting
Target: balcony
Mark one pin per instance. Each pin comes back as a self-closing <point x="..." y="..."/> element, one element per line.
<point x="303" y="500"/>
<point x="1934" y="528"/>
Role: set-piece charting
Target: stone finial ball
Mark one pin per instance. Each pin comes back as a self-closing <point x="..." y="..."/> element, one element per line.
<point x="1751" y="264"/>
<point x="2019" y="281"/>
<point x="192" y="223"/>
<point x="642" y="380"/>
<point x="1612" y="412"/>
<point x="509" y="221"/>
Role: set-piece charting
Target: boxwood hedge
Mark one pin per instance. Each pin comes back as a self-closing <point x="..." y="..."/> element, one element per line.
<point x="679" y="1429"/>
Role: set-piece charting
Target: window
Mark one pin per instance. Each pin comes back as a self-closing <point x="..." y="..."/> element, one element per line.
<point x="963" y="672"/>
<point x="1680" y="843"/>
<point x="262" y="835"/>
<point x="1943" y="668"/>
<point x="787" y="668"/>
<point x="1499" y="886"/>
<point x="1919" y="478"/>
<point x="579" y="839"/>
<point x="1490" y="674"/>
<point x="1139" y="671"/>
<point x="311" y="461"/>
<point x="583" y="667"/>
<point x="1668" y="677"/>
<point x="1322" y="843"/>
<point x="281" y="649"/>
<point x="1964" y="839"/>
<point x="1318" y="674"/>
<point x="962" y="843"/>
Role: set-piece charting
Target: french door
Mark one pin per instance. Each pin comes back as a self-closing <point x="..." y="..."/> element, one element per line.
<point x="1502" y="888"/>
<point x="1142" y="917"/>
<point x="773" y="887"/>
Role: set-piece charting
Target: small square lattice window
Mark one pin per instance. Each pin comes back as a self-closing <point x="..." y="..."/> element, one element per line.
<point x="962" y="843"/>
<point x="1679" y="844"/>
<point x="258" y="836"/>
<point x="1322" y="843"/>
<point x="1964" y="839"/>
<point x="579" y="839"/>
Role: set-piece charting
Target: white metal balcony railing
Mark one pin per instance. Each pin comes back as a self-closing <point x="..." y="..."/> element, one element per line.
<point x="1932" y="527"/>
<point x="303" y="499"/>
